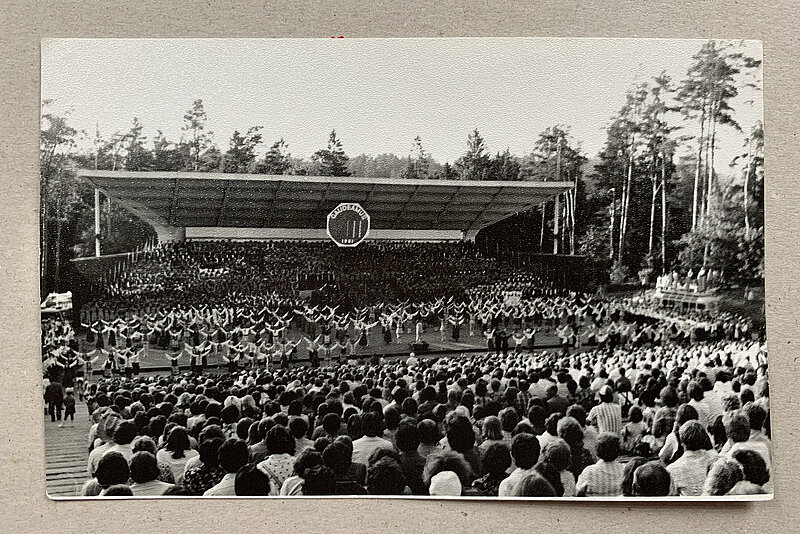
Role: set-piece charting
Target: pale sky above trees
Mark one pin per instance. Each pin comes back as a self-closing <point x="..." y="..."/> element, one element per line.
<point x="378" y="94"/>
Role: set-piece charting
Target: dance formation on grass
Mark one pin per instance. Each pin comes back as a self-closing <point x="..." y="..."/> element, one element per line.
<point x="289" y="392"/>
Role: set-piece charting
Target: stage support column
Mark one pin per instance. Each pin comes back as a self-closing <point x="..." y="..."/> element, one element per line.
<point x="556" y="217"/>
<point x="96" y="222"/>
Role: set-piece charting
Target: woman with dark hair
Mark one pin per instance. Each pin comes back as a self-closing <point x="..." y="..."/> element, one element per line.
<point x="279" y="465"/>
<point x="144" y="475"/>
<point x="448" y="461"/>
<point x="304" y="460"/>
<point x="553" y="465"/>
<point x="689" y="471"/>
<point x="111" y="469"/>
<point x="176" y="452"/>
<point x="672" y="448"/>
<point x="534" y="485"/>
<point x="755" y="472"/>
<point x="496" y="461"/>
<point x="627" y="474"/>
<point x="580" y="458"/>
<point x="461" y="439"/>
<point x="722" y="477"/>
<point x="209" y="473"/>
<point x="428" y="438"/>
<point x="146" y="444"/>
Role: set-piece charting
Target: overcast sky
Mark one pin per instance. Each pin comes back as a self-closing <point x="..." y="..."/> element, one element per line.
<point x="377" y="93"/>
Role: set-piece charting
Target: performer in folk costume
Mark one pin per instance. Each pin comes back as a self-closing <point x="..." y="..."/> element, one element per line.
<point x="173" y="362"/>
<point x="519" y="341"/>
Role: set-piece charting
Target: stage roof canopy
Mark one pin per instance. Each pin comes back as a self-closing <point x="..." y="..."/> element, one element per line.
<point x="201" y="199"/>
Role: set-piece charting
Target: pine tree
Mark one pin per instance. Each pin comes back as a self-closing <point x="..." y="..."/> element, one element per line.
<point x="474" y="165"/>
<point x="196" y="137"/>
<point x="242" y="152"/>
<point x="332" y="161"/>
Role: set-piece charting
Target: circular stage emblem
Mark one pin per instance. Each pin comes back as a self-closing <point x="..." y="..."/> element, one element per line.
<point x="348" y="224"/>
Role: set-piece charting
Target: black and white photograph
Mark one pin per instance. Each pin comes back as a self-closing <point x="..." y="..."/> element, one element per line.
<point x="470" y="268"/>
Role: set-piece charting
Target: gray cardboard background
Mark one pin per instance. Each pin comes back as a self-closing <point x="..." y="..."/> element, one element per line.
<point x="23" y="503"/>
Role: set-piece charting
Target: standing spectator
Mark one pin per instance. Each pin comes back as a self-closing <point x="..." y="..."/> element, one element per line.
<point x="54" y="398"/>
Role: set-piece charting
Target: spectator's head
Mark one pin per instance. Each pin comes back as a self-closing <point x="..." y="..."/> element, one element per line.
<point x="496" y="459"/>
<point x="627" y="474"/>
<point x="112" y="469"/>
<point x="407" y="437"/>
<point x="557" y="454"/>
<point x="428" y="432"/>
<point x="305" y="460"/>
<point x="279" y="441"/>
<point x="694" y="437"/>
<point x="338" y="457"/>
<point x="372" y="425"/>
<point x="385" y="477"/>
<point x="492" y="429"/>
<point x="209" y="451"/>
<point x="722" y="477"/>
<point x="534" y="485"/>
<point x="695" y="391"/>
<point x="143" y="467"/>
<point x="651" y="480"/>
<point x="508" y="419"/>
<point x="753" y="465"/>
<point x="737" y="427"/>
<point x="525" y="450"/>
<point x="144" y="444"/>
<point x="124" y="433"/>
<point x="635" y="414"/>
<point x="570" y="431"/>
<point x="445" y="483"/>
<point x="319" y="480"/>
<point x="177" y="442"/>
<point x="251" y="481"/>
<point x="233" y="454"/>
<point x="447" y="461"/>
<point x="607" y="446"/>
<point x="669" y="397"/>
<point x="460" y="433"/>
<point x="757" y="416"/>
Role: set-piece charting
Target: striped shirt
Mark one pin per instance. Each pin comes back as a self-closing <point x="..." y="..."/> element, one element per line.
<point x="607" y="417"/>
<point x="602" y="479"/>
<point x="689" y="471"/>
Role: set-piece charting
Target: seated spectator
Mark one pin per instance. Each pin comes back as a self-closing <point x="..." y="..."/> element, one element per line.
<point x="407" y="442"/>
<point x="428" y="438"/>
<point x="319" y="480"/>
<point x="533" y="485"/>
<point x="722" y="477"/>
<point x="279" y="465"/>
<point x="627" y="474"/>
<point x="689" y="471"/>
<point x="111" y="469"/>
<point x="209" y="472"/>
<point x="554" y="465"/>
<point x="604" y="478"/>
<point x="365" y="446"/>
<point x="445" y="483"/>
<point x="652" y="480"/>
<point x="144" y="475"/>
<point x="525" y="452"/>
<point x="755" y="471"/>
<point x="496" y="462"/>
<point x="337" y="456"/>
<point x="233" y="455"/>
<point x="177" y="452"/>
<point x="251" y="481"/>
<point x="304" y="460"/>
<point x="385" y="474"/>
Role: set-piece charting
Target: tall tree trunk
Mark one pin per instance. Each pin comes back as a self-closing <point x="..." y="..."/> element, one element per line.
<point x="663" y="213"/>
<point x="541" y="230"/>
<point x="747" y="188"/>
<point x="57" y="258"/>
<point x="627" y="199"/>
<point x="654" y="182"/>
<point x="700" y="143"/>
<point x="712" y="132"/>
